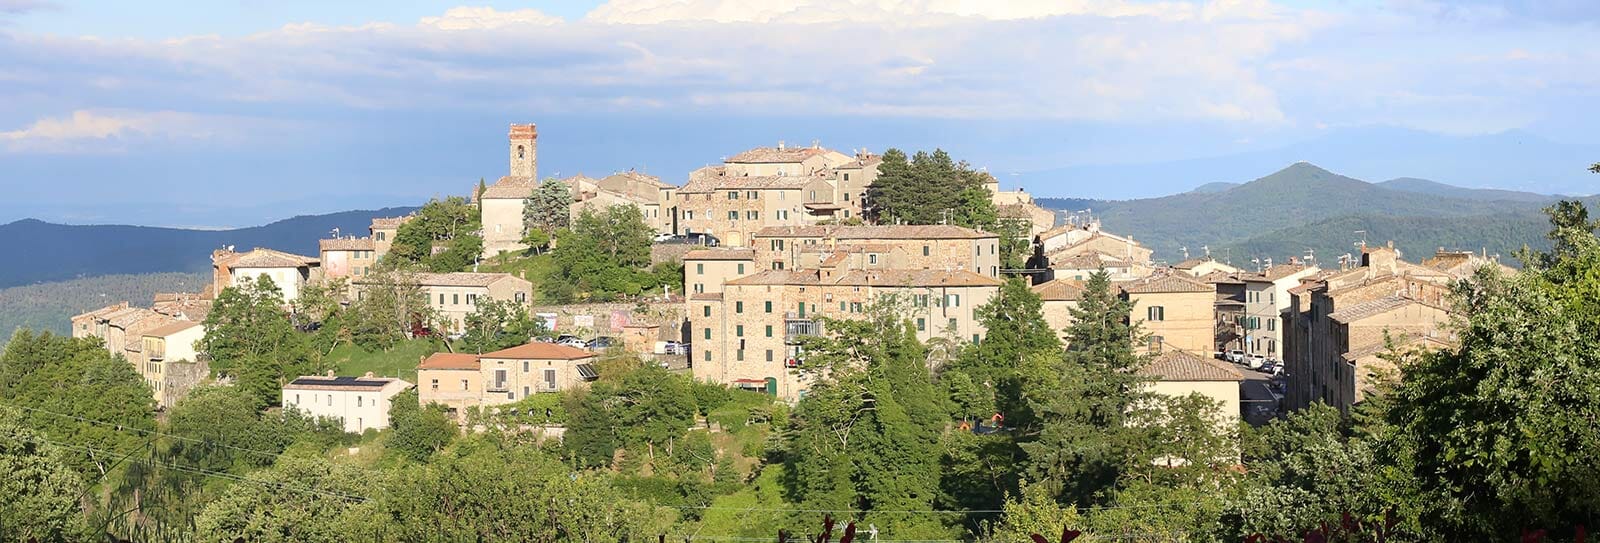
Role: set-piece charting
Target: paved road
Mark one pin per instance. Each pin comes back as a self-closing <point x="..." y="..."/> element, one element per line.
<point x="1257" y="401"/>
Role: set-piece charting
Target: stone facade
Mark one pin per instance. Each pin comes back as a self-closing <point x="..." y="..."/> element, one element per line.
<point x="347" y="257"/>
<point x="453" y="296"/>
<point x="1174" y="311"/>
<point x="290" y="272"/>
<point x="463" y="381"/>
<point x="160" y="347"/>
<point x="926" y="247"/>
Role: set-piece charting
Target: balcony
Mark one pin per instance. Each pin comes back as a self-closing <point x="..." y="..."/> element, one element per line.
<point x="794" y="329"/>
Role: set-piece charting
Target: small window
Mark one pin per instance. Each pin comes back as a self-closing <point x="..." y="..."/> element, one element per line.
<point x="925" y="251"/>
<point x="700" y="268"/>
<point x="741" y="268"/>
<point x="872" y="258"/>
<point x="769" y="355"/>
<point x="455" y="299"/>
<point x="435" y="386"/>
<point x="769" y="306"/>
<point x="738" y="330"/>
<point x="463" y="384"/>
<point x="753" y="195"/>
<point x="922" y="324"/>
<point x="359" y="401"/>
<point x="739" y="355"/>
<point x="733" y="195"/>
<point x="1272" y="325"/>
<point x="733" y="215"/>
<point x="1155" y="313"/>
<point x="769" y="330"/>
<point x="524" y="366"/>
<point x="707" y="356"/>
<point x="708" y="311"/>
<point x="738" y="307"/>
<point x="708" y="333"/>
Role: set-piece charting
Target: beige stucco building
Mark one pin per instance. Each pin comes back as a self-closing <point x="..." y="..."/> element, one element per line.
<point x="463" y="381"/>
<point x="160" y="347"/>
<point x="1059" y="297"/>
<point x="1174" y="311"/>
<point x="1176" y="374"/>
<point x="348" y="258"/>
<point x="383" y="230"/>
<point x="1266" y="298"/>
<point x="501" y="204"/>
<point x="359" y="403"/>
<point x="290" y="272"/>
<point x="913" y="247"/>
<point x="705" y="270"/>
<point x="748" y="335"/>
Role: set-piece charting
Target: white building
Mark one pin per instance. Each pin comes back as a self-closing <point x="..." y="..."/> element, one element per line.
<point x="362" y="403"/>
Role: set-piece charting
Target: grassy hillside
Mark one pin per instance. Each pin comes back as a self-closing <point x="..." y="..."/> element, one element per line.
<point x="48" y="306"/>
<point x="401" y="361"/>
<point x="1296" y="207"/>
<point x="57" y="252"/>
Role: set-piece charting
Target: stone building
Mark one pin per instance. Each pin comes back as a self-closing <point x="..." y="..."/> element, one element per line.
<point x="773" y="186"/>
<point x="1266" y="298"/>
<point x="1173" y="310"/>
<point x="358" y="403"/>
<point x="464" y="381"/>
<point x="748" y="335"/>
<point x="290" y="272"/>
<point x="453" y="296"/>
<point x="1202" y="266"/>
<point x="1337" y="323"/>
<point x="705" y="270"/>
<point x="1059" y="297"/>
<point x="1176" y="374"/>
<point x="383" y="231"/>
<point x="160" y="347"/>
<point x="1079" y="248"/>
<point x="501" y="204"/>
<point x="784" y="160"/>
<point x="916" y="247"/>
<point x="850" y="182"/>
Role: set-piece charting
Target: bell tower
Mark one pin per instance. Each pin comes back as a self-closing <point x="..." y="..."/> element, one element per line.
<point x="524" y="146"/>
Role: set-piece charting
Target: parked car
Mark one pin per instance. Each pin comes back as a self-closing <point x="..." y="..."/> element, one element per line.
<point x="1236" y="356"/>
<point x="1268" y="367"/>
<point x="602" y="343"/>
<point x="664" y="236"/>
<point x="701" y="238"/>
<point x="571" y="341"/>
<point x="1255" y="361"/>
<point x="675" y="347"/>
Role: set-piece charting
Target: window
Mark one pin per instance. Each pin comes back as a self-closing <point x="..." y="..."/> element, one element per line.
<point x="1156" y="342"/>
<point x="738" y="307"/>
<point x="872" y="258"/>
<point x="752" y="215"/>
<point x="769" y="355"/>
<point x="922" y="324"/>
<point x="521" y="297"/>
<point x="846" y="195"/>
<point x="812" y="195"/>
<point x="688" y="215"/>
<point x="952" y="323"/>
<point x="733" y="195"/>
<point x="769" y="330"/>
<point x="463" y="384"/>
<point x="441" y="298"/>
<point x="700" y="268"/>
<point x="769" y="306"/>
<point x="707" y="356"/>
<point x="777" y="245"/>
<point x="708" y="333"/>
<point x="699" y="287"/>
<point x="435" y="387"/>
<point x="525" y="392"/>
<point x="847" y="178"/>
<point x="472" y="299"/>
<point x="738" y="330"/>
<point x="733" y="215"/>
<point x="777" y="265"/>
<point x="330" y="400"/>
<point x="382" y="235"/>
<point x="358" y="401"/>
<point x="925" y="251"/>
<point x="741" y="268"/>
<point x="855" y="307"/>
<point x="752" y="194"/>
<point x="1272" y="325"/>
<point x="297" y="399"/>
<point x="524" y="366"/>
<point x="783" y="214"/>
<point x="708" y="310"/>
<point x="455" y="299"/>
<point x="1155" y="313"/>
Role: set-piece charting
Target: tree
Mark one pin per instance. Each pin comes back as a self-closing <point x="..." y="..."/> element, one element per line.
<point x="39" y="493"/>
<point x="450" y="224"/>
<point x="644" y="410"/>
<point x="77" y="395"/>
<point x="929" y="188"/>
<point x="603" y="255"/>
<point x="1015" y="330"/>
<point x="546" y="211"/>
<point x="1081" y="448"/>
<point x="418" y="431"/>
<point x="391" y="305"/>
<point x="1034" y="511"/>
<point x="1501" y="425"/>
<point x="250" y="338"/>
<point x="302" y="498"/>
<point x="498" y="324"/>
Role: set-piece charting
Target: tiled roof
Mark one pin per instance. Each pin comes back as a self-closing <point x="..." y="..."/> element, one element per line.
<point x="721" y="254"/>
<point x="1059" y="290"/>
<point x="704" y="179"/>
<point x="1059" y="230"/>
<point x="1171" y="282"/>
<point x="778" y="277"/>
<point x="1091" y="260"/>
<point x="1402" y="342"/>
<point x="774" y="155"/>
<point x="540" y="351"/>
<point x="706" y="296"/>
<point x="871" y="161"/>
<point x="98" y="314"/>
<point x="387" y="223"/>
<point x="643" y="177"/>
<point x="1372" y="308"/>
<point x="459" y="279"/>
<point x="1177" y="365"/>
<point x="269" y="258"/>
<point x="1221" y="277"/>
<point x="170" y="329"/>
<point x="450" y="361"/>
<point x="1019" y="211"/>
<point x="744" y="182"/>
<point x="513" y="188"/>
<point x="130" y="317"/>
<point x="1190" y="263"/>
<point x="926" y="231"/>
<point x="1281" y="271"/>
<point x="876" y="278"/>
<point x="345" y="244"/>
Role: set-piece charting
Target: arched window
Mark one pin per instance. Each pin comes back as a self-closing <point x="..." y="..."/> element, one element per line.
<point x="521" y="152"/>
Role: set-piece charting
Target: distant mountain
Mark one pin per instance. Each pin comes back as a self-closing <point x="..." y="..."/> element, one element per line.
<point x="1424" y="186"/>
<point x="44" y="251"/>
<point x="49" y="306"/>
<point x="1219" y="186"/>
<point x="1306" y="207"/>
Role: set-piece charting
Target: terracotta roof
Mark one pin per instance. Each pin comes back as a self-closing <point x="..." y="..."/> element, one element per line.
<point x="704" y="179"/>
<point x="540" y="351"/>
<point x="721" y="254"/>
<point x="170" y="329"/>
<point x="1174" y="365"/>
<point x="743" y="182"/>
<point x="1091" y="260"/>
<point x="643" y="177"/>
<point x="460" y="279"/>
<point x="1059" y="230"/>
<point x="1023" y="210"/>
<point x="1281" y="271"/>
<point x="778" y="277"/>
<point x="1191" y="263"/>
<point x="385" y="223"/>
<point x="1221" y="277"/>
<point x="871" y="161"/>
<point x="450" y="361"/>
<point x="1372" y="308"/>
<point x="1171" y="282"/>
<point x="774" y="155"/>
<point x="345" y="244"/>
<point x="706" y="296"/>
<point x="926" y="231"/>
<point x="1059" y="290"/>
<point x="511" y="188"/>
<point x="99" y="314"/>
<point x="269" y="258"/>
<point x="877" y="278"/>
<point x="129" y="317"/>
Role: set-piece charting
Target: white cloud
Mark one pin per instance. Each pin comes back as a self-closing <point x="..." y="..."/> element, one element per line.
<point x="481" y="18"/>
<point x="911" y="12"/>
<point x="105" y="131"/>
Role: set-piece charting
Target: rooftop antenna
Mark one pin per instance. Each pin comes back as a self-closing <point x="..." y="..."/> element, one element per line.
<point x="1311" y="257"/>
<point x="335" y="232"/>
<point x="1207" y="249"/>
<point x="1363" y="234"/>
<point x="1185" y="250"/>
<point x="1257" y="262"/>
<point x="1269" y="263"/>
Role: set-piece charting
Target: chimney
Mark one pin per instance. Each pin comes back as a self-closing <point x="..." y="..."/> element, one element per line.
<point x="367" y="375"/>
<point x="780" y="145"/>
<point x="330" y="374"/>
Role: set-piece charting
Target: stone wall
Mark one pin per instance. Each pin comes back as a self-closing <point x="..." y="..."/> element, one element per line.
<point x="596" y="319"/>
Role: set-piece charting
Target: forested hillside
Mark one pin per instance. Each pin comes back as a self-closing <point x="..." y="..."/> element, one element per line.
<point x="55" y="252"/>
<point x="48" y="306"/>
<point x="1305" y="207"/>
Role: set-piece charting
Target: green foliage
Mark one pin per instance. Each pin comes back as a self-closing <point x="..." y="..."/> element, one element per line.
<point x="547" y="211"/>
<point x="603" y="256"/>
<point x="647" y="408"/>
<point x="928" y="188"/>
<point x="451" y="224"/>
<point x="251" y="339"/>
<point x="1034" y="511"/>
<point x="1015" y="330"/>
<point x="498" y="324"/>
<point x="299" y="499"/>
<point x="391" y="304"/>
<point x="418" y="431"/>
<point x="39" y="493"/>
<point x="399" y="360"/>
<point x="1304" y="472"/>
<point x="63" y="383"/>
<point x="1084" y="405"/>
<point x="226" y="421"/>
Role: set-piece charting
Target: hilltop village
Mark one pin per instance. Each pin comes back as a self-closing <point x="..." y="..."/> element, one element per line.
<point x="795" y="332"/>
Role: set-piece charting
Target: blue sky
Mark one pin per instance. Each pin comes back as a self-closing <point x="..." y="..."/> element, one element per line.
<point x="234" y="112"/>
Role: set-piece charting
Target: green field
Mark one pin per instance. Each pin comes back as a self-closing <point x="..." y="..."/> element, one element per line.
<point x="532" y="268"/>
<point x="401" y="361"/>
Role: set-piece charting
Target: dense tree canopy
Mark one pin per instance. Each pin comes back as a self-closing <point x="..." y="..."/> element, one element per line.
<point x="605" y="255"/>
<point x="547" y="211"/>
<point x="39" y="493"/>
<point x="251" y="339"/>
<point x="443" y="236"/>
